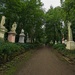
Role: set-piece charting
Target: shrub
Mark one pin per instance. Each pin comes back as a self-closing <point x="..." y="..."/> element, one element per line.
<point x="9" y="51"/>
<point x="59" y="46"/>
<point x="61" y="49"/>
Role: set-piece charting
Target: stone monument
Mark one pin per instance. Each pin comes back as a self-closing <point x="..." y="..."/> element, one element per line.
<point x="51" y="42"/>
<point x="21" y="36"/>
<point x="70" y="43"/>
<point x="2" y="27"/>
<point x="28" y="39"/>
<point x="55" y="42"/>
<point x="12" y="33"/>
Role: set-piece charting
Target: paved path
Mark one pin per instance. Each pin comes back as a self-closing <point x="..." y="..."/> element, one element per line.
<point x="45" y="62"/>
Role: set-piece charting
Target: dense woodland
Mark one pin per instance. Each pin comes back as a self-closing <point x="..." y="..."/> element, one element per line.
<point x="41" y="26"/>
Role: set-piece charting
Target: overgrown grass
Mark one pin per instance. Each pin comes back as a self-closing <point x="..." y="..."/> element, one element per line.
<point x="61" y="48"/>
<point x="11" y="67"/>
<point x="12" y="55"/>
<point x="9" y="51"/>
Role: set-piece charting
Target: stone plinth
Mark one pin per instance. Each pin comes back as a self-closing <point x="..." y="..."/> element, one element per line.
<point x="21" y="36"/>
<point x="70" y="45"/>
<point x="2" y="32"/>
<point x="11" y="37"/>
<point x="21" y="39"/>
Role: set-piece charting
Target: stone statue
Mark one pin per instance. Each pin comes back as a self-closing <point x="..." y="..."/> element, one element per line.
<point x="2" y="22"/>
<point x="14" y="26"/>
<point x="21" y="36"/>
<point x="70" y="38"/>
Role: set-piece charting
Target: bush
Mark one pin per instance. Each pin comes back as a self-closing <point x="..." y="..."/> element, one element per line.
<point x="61" y="49"/>
<point x="59" y="46"/>
<point x="10" y="50"/>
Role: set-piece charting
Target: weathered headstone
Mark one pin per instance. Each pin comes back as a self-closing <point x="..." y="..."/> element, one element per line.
<point x="55" y="42"/>
<point x="2" y="27"/>
<point x="12" y="33"/>
<point x="70" y="44"/>
<point x="21" y="36"/>
<point x="51" y="42"/>
<point x="28" y="39"/>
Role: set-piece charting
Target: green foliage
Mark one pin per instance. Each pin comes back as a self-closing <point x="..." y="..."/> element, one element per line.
<point x="61" y="49"/>
<point x="68" y="7"/>
<point x="1" y="41"/>
<point x="8" y="51"/>
<point x="59" y="46"/>
<point x="53" y="25"/>
<point x="27" y="13"/>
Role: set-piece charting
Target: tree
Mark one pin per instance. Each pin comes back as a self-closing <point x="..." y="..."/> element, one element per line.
<point x="27" y="13"/>
<point x="53" y="25"/>
<point x="69" y="9"/>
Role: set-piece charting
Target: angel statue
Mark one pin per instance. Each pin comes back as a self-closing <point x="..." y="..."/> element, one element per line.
<point x="14" y="26"/>
<point x="2" y="22"/>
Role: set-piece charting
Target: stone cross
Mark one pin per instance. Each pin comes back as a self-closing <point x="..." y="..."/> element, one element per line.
<point x="70" y="38"/>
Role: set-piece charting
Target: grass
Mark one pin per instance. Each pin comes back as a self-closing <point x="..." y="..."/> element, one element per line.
<point x="11" y="67"/>
<point x="60" y="48"/>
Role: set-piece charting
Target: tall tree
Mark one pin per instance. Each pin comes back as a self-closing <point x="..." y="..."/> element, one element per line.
<point x="69" y="9"/>
<point x="53" y="25"/>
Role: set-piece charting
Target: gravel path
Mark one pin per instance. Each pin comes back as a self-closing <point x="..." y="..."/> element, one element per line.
<point x="45" y="62"/>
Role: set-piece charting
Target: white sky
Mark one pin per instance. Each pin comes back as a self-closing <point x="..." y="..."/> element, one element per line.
<point x="48" y="3"/>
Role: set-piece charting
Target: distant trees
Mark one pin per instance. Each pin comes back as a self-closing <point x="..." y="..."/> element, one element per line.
<point x="30" y="16"/>
<point x="69" y="10"/>
<point x="53" y="24"/>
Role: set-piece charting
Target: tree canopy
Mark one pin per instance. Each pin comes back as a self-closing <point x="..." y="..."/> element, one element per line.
<point x="30" y="16"/>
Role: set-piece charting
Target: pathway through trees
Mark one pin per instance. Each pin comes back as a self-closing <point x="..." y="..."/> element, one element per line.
<point x="45" y="62"/>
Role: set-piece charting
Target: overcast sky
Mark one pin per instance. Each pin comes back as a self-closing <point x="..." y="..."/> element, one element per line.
<point x="48" y="3"/>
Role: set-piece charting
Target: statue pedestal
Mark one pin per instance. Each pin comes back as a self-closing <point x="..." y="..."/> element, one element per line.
<point x="2" y="32"/>
<point x="11" y="36"/>
<point x="21" y="38"/>
<point x="70" y="45"/>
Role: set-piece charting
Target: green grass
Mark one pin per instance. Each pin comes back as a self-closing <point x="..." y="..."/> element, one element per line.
<point x="61" y="48"/>
<point x="11" y="67"/>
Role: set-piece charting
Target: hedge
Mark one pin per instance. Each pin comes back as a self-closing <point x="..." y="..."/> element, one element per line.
<point x="8" y="51"/>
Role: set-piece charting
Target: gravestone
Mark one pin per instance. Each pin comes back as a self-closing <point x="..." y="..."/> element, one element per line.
<point x="55" y="42"/>
<point x="70" y="44"/>
<point x="21" y="36"/>
<point x="2" y="27"/>
<point x="28" y="39"/>
<point x="12" y="33"/>
<point x="51" y="42"/>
